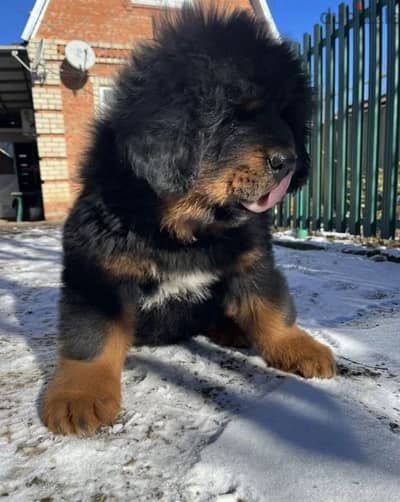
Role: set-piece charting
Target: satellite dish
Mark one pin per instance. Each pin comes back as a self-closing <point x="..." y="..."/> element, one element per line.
<point x="80" y="55"/>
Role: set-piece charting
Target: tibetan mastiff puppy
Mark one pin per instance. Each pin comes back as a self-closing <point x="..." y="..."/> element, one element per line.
<point x="171" y="234"/>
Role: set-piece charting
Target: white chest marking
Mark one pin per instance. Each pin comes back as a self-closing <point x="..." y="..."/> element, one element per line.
<point x="193" y="286"/>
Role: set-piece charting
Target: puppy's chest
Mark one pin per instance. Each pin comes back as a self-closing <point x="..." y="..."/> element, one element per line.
<point x="193" y="286"/>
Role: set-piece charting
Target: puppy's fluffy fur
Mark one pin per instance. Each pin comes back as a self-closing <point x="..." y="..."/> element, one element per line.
<point x="170" y="236"/>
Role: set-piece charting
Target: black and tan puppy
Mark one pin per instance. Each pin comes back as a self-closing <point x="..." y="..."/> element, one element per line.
<point x="170" y="236"/>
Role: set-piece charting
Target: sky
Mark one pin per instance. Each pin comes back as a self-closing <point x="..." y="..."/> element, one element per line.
<point x="13" y="16"/>
<point x="293" y="17"/>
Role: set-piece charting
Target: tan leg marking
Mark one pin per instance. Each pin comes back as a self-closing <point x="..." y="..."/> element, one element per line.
<point x="285" y="347"/>
<point x="85" y="395"/>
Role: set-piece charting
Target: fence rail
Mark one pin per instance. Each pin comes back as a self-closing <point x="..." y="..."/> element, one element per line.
<point x="353" y="62"/>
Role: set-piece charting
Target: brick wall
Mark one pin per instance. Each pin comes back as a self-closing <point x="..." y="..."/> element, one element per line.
<point x="63" y="111"/>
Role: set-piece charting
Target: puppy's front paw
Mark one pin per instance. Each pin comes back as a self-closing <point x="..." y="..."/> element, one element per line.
<point x="72" y="409"/>
<point x="299" y="353"/>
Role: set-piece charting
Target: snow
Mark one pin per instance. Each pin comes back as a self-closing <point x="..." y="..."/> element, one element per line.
<point x="344" y="242"/>
<point x="203" y="423"/>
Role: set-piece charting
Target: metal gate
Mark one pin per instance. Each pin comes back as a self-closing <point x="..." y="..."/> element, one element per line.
<point x="353" y="62"/>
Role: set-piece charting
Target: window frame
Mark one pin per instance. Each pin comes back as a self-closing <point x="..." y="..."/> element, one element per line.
<point x="103" y="89"/>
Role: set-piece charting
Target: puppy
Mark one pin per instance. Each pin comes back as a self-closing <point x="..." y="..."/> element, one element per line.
<point x="170" y="236"/>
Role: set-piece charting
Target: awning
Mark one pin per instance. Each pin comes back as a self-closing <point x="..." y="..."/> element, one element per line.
<point x="15" y="86"/>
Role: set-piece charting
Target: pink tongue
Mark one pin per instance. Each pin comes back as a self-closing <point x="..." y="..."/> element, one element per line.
<point x="272" y="198"/>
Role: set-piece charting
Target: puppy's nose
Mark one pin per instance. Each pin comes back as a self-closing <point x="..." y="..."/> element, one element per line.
<point x="280" y="160"/>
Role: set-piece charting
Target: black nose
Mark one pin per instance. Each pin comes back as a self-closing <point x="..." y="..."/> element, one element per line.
<point x="278" y="161"/>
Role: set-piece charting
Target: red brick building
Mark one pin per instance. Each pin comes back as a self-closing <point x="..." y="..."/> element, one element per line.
<point x="64" y="100"/>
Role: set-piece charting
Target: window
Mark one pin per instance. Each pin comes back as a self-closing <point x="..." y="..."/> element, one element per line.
<point x="106" y="97"/>
<point x="161" y="3"/>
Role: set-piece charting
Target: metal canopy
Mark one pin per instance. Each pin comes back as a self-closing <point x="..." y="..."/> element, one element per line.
<point x="15" y="86"/>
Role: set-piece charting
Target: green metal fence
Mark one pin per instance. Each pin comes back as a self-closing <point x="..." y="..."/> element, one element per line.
<point x="353" y="61"/>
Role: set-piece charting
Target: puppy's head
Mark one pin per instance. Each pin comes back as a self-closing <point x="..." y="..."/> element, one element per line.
<point x="213" y="114"/>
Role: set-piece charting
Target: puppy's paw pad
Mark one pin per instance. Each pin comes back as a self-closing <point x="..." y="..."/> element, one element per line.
<point x="78" y="412"/>
<point x="304" y="356"/>
<point x="318" y="363"/>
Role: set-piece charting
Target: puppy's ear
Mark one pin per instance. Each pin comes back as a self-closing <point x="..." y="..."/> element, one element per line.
<point x="157" y="132"/>
<point x="166" y="153"/>
<point x="297" y="115"/>
<point x="303" y="161"/>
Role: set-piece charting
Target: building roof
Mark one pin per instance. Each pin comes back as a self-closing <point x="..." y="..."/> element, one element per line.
<point x="261" y="9"/>
<point x="34" y="19"/>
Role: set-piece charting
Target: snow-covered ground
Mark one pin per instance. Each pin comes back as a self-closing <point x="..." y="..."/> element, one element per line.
<point x="202" y="423"/>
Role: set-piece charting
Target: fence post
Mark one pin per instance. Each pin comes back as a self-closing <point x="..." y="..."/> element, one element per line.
<point x="391" y="152"/>
<point x="304" y="194"/>
<point x="374" y="109"/>
<point x="329" y="109"/>
<point x="316" y="132"/>
<point x="357" y="111"/>
<point x="342" y="119"/>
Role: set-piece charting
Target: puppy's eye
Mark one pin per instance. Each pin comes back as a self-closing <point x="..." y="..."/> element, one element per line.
<point x="251" y="105"/>
<point x="248" y="109"/>
<point x="285" y="113"/>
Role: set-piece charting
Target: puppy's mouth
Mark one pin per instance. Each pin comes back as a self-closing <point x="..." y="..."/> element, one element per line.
<point x="271" y="198"/>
